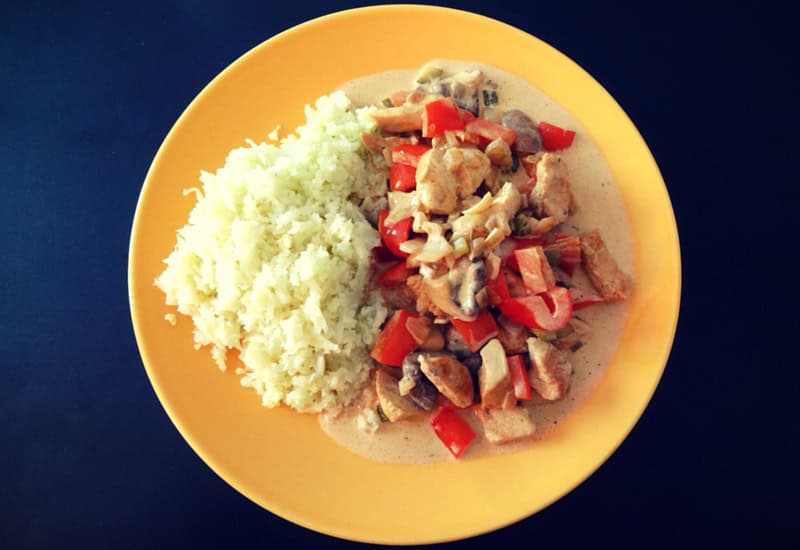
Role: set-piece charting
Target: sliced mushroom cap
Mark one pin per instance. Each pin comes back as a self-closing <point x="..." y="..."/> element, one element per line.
<point x="528" y="138"/>
<point x="466" y="282"/>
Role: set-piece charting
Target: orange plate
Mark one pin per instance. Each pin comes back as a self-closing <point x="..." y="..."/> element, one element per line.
<point x="282" y="460"/>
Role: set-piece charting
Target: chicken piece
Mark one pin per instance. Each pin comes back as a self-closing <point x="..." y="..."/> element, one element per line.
<point x="550" y="371"/>
<point x="506" y="425"/>
<point x="427" y="336"/>
<point x="399" y="297"/>
<point x="396" y="407"/>
<point x="551" y="196"/>
<point x="378" y="144"/>
<point x="469" y="167"/>
<point x="406" y="118"/>
<point x="513" y="336"/>
<point x="610" y="281"/>
<point x="494" y="378"/>
<point x="437" y="188"/>
<point x="450" y="377"/>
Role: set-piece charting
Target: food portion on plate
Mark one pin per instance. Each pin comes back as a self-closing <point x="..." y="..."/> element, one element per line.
<point x="436" y="262"/>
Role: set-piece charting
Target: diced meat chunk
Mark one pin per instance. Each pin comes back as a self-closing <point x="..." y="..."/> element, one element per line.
<point x="610" y="281"/>
<point x="513" y="336"/>
<point x="396" y="407"/>
<point x="551" y="196"/>
<point x="405" y="118"/>
<point x="437" y="189"/>
<point x="573" y="338"/>
<point x="494" y="378"/>
<point x="449" y="376"/>
<point x="550" y="371"/>
<point x="469" y="167"/>
<point x="506" y="425"/>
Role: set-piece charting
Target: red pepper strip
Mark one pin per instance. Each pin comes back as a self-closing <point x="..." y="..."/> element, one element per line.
<point x="402" y="177"/>
<point x="537" y="275"/>
<point x="498" y="289"/>
<point x="533" y="311"/>
<point x="452" y="430"/>
<point x="555" y="138"/>
<point x="440" y="115"/>
<point x="466" y="116"/>
<point x="519" y="377"/>
<point x="395" y="234"/>
<point x="476" y="333"/>
<point x="517" y="244"/>
<point x="394" y="342"/>
<point x="395" y="275"/>
<point x="584" y="298"/>
<point x="491" y="131"/>
<point x="408" y="153"/>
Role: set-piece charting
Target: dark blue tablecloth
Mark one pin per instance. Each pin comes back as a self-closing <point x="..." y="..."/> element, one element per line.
<point x="89" y="459"/>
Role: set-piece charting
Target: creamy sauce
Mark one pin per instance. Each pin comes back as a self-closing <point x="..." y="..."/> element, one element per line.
<point x="599" y="206"/>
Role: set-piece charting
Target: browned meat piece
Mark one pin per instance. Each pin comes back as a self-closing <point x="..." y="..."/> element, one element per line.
<point x="406" y="118"/>
<point x="528" y="139"/>
<point x="551" y="196"/>
<point x="449" y="376"/>
<point x="505" y="425"/>
<point x="437" y="189"/>
<point x="469" y="167"/>
<point x="400" y="297"/>
<point x="376" y="143"/>
<point x="494" y="378"/>
<point x="514" y="337"/>
<point x="606" y="276"/>
<point x="427" y="336"/>
<point x="550" y="371"/>
<point x="395" y="406"/>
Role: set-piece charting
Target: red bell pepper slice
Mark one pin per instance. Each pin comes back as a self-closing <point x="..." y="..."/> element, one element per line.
<point x="549" y="311"/>
<point x="408" y="153"/>
<point x="394" y="235"/>
<point x="519" y="377"/>
<point x="584" y="298"/>
<point x="395" y="275"/>
<point x="402" y="177"/>
<point x="569" y="250"/>
<point x="537" y="275"/>
<point x="520" y="243"/>
<point x="476" y="333"/>
<point x="452" y="430"/>
<point x="394" y="342"/>
<point x="491" y="131"/>
<point x="555" y="138"/>
<point x="439" y="116"/>
<point x="466" y="116"/>
<point x="498" y="289"/>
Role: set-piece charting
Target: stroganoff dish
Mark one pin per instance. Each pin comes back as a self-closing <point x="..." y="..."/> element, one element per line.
<point x="438" y="263"/>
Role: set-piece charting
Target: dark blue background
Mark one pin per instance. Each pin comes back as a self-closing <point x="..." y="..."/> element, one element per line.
<point x="89" y="90"/>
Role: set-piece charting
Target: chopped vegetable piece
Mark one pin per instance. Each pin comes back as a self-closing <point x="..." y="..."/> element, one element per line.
<point x="395" y="275"/>
<point x="535" y="270"/>
<point x="394" y="235"/>
<point x="536" y="312"/>
<point x="439" y="116"/>
<point x="402" y="177"/>
<point x="489" y="97"/>
<point x="460" y="247"/>
<point x="466" y="116"/>
<point x="555" y="138"/>
<point x="394" y="342"/>
<point x="452" y="430"/>
<point x="518" y="244"/>
<point x="569" y="251"/>
<point x="408" y="154"/>
<point x="491" y="131"/>
<point x="476" y="333"/>
<point x="519" y="377"/>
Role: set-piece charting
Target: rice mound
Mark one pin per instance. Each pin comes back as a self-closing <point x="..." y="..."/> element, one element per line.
<point x="275" y="257"/>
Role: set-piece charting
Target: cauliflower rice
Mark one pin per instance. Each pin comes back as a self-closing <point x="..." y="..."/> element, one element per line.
<point x="275" y="257"/>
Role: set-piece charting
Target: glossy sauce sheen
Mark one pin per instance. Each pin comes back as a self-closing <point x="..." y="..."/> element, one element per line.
<point x="599" y="206"/>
